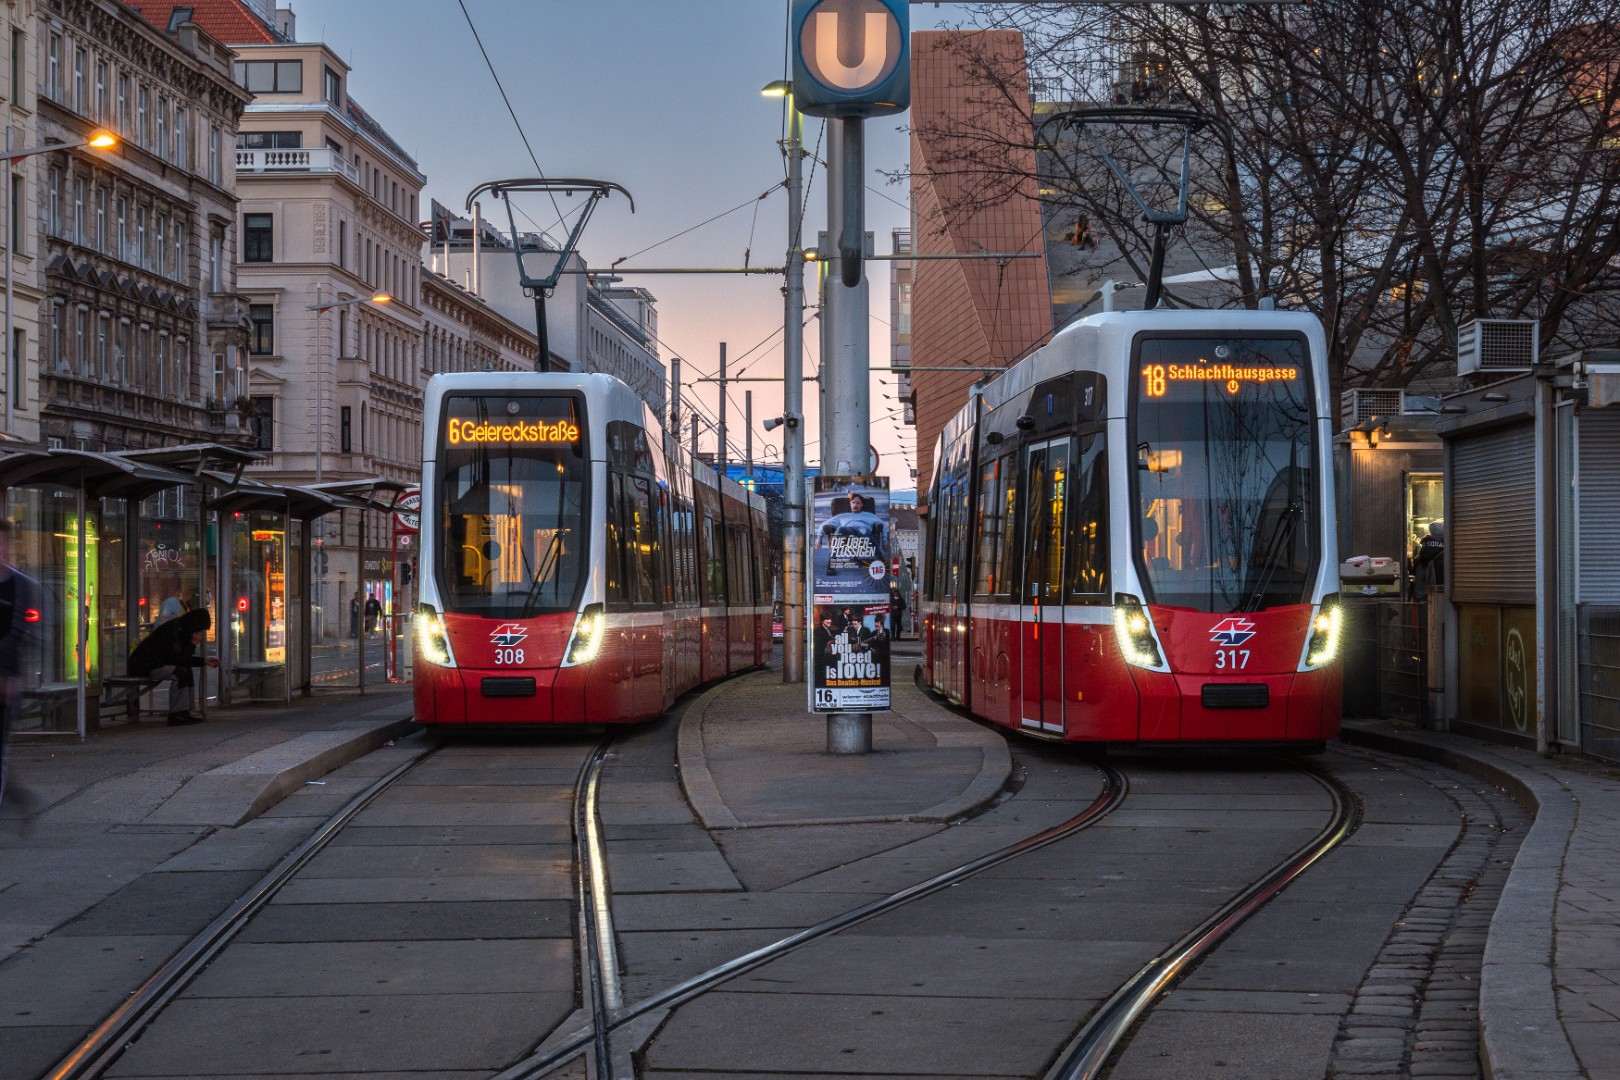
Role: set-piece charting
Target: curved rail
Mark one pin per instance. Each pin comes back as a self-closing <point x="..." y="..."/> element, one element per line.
<point x="599" y="968"/>
<point x="1085" y="1056"/>
<point x="102" y="1046"/>
<point x="1115" y="787"/>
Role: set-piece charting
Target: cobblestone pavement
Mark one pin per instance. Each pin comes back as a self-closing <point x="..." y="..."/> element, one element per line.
<point x="1417" y="1012"/>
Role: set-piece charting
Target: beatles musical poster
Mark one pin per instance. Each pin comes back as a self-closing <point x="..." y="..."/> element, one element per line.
<point x="850" y="627"/>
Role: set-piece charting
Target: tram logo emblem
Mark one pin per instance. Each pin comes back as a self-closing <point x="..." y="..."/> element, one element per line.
<point x="508" y="635"/>
<point x="1231" y="632"/>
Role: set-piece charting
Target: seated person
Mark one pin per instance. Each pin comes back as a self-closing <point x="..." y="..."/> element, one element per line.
<point x="170" y="652"/>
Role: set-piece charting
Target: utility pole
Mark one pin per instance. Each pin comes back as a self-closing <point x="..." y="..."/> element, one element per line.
<point x="846" y="400"/>
<point x="748" y="432"/>
<point x="793" y="613"/>
<point x="675" y="397"/>
<point x="720" y="458"/>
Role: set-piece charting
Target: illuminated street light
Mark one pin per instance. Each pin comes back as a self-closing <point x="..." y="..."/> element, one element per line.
<point x="320" y="369"/>
<point x="101" y="139"/>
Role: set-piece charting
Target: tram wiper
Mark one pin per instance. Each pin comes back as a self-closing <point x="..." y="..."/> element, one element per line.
<point x="548" y="562"/>
<point x="1282" y="535"/>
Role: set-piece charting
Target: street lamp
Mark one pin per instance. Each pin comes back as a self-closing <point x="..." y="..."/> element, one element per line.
<point x="793" y="621"/>
<point x="320" y="364"/>
<point x="98" y="140"/>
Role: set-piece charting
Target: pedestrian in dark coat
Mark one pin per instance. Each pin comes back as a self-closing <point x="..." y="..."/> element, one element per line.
<point x="19" y="614"/>
<point x="171" y="652"/>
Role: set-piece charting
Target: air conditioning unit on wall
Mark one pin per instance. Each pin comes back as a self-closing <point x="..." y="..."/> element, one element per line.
<point x="1359" y="406"/>
<point x="1497" y="346"/>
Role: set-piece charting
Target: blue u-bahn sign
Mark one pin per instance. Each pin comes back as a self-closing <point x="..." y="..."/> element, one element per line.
<point x="851" y="57"/>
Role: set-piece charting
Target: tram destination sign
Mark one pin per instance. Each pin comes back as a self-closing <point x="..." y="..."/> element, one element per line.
<point x="848" y="605"/>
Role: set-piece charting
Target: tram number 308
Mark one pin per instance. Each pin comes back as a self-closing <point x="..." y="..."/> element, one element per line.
<point x="509" y="656"/>
<point x="1231" y="659"/>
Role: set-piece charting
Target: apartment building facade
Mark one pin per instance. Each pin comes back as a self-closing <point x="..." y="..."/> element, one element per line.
<point x="141" y="332"/>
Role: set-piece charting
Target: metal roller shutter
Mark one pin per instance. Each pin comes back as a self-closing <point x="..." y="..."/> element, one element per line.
<point x="1492" y="531"/>
<point x="1597" y="488"/>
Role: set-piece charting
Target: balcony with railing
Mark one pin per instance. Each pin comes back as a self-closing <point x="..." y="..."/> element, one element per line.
<point x="322" y="160"/>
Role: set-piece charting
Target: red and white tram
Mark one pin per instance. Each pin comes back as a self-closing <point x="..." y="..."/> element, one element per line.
<point x="576" y="567"/>
<point x="1131" y="536"/>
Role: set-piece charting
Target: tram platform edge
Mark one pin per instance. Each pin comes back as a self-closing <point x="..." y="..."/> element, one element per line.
<point x="1548" y="983"/>
<point x="752" y="756"/>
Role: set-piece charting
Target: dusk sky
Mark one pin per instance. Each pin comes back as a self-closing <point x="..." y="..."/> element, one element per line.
<point x="662" y="97"/>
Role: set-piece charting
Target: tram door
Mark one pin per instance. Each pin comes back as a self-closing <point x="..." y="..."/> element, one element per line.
<point x="1046" y="484"/>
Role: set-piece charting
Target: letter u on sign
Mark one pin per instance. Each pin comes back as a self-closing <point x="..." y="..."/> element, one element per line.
<point x="873" y="51"/>
<point x="851" y="57"/>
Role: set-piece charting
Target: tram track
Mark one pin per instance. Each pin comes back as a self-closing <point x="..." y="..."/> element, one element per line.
<point x="1090" y="1051"/>
<point x="95" y="1054"/>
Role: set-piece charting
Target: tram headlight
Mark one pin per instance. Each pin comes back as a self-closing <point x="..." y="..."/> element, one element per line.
<point x="587" y="640"/>
<point x="1135" y="632"/>
<point x="1322" y="645"/>
<point x="431" y="637"/>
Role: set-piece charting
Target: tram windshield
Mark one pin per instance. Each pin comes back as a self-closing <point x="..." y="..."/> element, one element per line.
<point x="1227" y="510"/>
<point x="512" y="504"/>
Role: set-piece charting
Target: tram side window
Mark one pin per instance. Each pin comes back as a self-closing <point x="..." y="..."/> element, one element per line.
<point x="992" y="525"/>
<point x="641" y="541"/>
<point x="1088" y="520"/>
<point x="614" y="568"/>
<point x="667" y="549"/>
<point x="714" y="562"/>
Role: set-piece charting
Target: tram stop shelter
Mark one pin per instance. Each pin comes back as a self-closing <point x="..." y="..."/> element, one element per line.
<point x="122" y="541"/>
<point x="1532" y="611"/>
<point x="1388" y="473"/>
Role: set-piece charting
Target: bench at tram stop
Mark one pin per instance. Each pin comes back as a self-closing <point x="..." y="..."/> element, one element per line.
<point x="130" y="691"/>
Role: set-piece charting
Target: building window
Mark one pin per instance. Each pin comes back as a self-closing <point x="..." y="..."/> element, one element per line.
<point x="19" y="353"/>
<point x="143" y="116"/>
<point x="101" y="219"/>
<point x="53" y="67"/>
<point x="19" y="54"/>
<point x="182" y="140"/>
<point x="53" y="196"/>
<point x="271" y="76"/>
<point x="216" y="262"/>
<point x="103" y="344"/>
<point x="121" y="372"/>
<point x="179" y="252"/>
<point x="163" y="367"/>
<point x="80" y="101"/>
<point x="81" y="342"/>
<point x="334" y="88"/>
<point x="264" y="422"/>
<point x="78" y="212"/>
<point x="17" y="214"/>
<point x="101" y="92"/>
<point x="142" y="253"/>
<point x="162" y="243"/>
<point x="58" y="356"/>
<point x="213" y="155"/>
<point x="161" y="145"/>
<point x="345" y="429"/>
<point x="122" y="240"/>
<point x="262" y="329"/>
<point x="343" y="244"/>
<point x="124" y="126"/>
<point x="270" y="140"/>
<point x="257" y="238"/>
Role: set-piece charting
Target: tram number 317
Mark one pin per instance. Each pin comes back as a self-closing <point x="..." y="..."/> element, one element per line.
<point x="509" y="656"/>
<point x="1231" y="659"/>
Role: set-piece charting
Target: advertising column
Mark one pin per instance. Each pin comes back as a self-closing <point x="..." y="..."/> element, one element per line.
<point x="849" y="635"/>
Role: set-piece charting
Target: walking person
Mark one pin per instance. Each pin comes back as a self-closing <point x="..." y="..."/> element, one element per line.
<point x="171" y="652"/>
<point x="19" y="613"/>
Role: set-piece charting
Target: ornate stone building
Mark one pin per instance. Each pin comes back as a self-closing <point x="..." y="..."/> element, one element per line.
<point x="143" y="336"/>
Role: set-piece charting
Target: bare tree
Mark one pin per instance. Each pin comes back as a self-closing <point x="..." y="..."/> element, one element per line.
<point x="1399" y="168"/>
